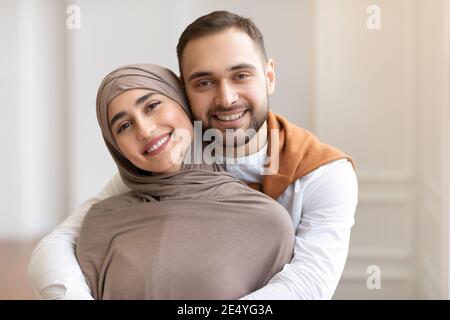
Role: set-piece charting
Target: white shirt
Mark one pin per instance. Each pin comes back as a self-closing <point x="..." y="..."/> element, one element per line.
<point x="322" y="205"/>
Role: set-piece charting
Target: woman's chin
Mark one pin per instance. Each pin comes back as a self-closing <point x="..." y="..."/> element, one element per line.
<point x="168" y="168"/>
<point x="168" y="161"/>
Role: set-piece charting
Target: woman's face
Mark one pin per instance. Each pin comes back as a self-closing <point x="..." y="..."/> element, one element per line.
<point x="151" y="130"/>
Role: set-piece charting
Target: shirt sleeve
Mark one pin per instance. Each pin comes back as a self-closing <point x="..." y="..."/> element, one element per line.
<point x="322" y="238"/>
<point x="53" y="269"/>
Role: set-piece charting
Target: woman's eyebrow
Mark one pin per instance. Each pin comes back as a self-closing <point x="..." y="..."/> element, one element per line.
<point x="138" y="102"/>
<point x="142" y="99"/>
<point x="116" y="117"/>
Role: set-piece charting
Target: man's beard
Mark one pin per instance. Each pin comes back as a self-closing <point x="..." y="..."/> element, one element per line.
<point x="241" y="136"/>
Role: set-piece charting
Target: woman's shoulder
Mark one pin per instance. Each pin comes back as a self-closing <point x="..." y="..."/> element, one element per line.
<point x="114" y="203"/>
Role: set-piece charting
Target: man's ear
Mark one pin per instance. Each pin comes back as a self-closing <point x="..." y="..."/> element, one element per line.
<point x="270" y="76"/>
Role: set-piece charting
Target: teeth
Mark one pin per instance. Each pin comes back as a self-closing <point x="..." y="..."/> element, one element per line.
<point x="158" y="144"/>
<point x="230" y="117"/>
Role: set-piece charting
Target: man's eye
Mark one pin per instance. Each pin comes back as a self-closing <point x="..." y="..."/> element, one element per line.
<point x="242" y="76"/>
<point x="152" y="106"/>
<point x="204" y="83"/>
<point x="123" y="127"/>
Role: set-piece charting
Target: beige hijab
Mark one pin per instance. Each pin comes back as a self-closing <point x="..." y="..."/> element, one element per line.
<point x="195" y="234"/>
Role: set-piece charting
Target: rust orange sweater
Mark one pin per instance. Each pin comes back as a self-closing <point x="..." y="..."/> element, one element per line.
<point x="299" y="152"/>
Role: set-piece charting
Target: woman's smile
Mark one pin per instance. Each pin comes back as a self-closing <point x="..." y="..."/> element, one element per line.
<point x="157" y="144"/>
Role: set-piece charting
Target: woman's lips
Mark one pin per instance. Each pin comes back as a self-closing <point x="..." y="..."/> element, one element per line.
<point x="157" y="144"/>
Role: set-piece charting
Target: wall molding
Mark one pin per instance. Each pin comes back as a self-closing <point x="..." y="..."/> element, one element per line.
<point x="386" y="176"/>
<point x="377" y="254"/>
<point x="431" y="206"/>
<point x="386" y="188"/>
<point x="427" y="281"/>
<point x="401" y="198"/>
<point x="395" y="266"/>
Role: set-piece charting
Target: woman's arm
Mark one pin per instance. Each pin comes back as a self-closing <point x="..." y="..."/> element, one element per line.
<point x="53" y="269"/>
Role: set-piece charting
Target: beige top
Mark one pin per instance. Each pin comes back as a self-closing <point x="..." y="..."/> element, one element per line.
<point x="222" y="242"/>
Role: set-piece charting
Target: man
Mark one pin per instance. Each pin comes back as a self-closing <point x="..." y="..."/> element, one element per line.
<point x="228" y="78"/>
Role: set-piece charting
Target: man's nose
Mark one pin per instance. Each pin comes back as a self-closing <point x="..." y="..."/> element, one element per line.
<point x="226" y="95"/>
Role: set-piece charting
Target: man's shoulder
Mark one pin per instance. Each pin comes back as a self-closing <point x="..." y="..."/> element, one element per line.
<point x="336" y="167"/>
<point x="294" y="133"/>
<point x="285" y="122"/>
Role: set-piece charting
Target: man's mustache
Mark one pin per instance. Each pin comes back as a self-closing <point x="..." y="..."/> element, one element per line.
<point x="236" y="107"/>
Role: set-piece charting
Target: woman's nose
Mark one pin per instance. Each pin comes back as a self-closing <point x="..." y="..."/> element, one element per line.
<point x="145" y="129"/>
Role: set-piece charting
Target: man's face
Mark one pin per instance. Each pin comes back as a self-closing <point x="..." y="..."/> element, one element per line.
<point x="226" y="81"/>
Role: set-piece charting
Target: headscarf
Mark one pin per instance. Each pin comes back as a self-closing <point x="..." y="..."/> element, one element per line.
<point x="194" y="234"/>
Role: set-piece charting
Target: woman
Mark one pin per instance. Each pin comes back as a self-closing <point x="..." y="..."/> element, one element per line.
<point x="184" y="231"/>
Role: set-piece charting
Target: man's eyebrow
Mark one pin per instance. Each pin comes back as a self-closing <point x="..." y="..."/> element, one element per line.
<point x="199" y="74"/>
<point x="242" y="66"/>
<point x="138" y="102"/>
<point x="239" y="66"/>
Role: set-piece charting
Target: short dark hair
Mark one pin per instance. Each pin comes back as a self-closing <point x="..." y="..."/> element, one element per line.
<point x="216" y="22"/>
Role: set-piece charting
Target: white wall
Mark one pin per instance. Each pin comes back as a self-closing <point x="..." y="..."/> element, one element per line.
<point x="382" y="95"/>
<point x="33" y="158"/>
<point x="364" y="104"/>
<point x="9" y="81"/>
<point x="433" y="96"/>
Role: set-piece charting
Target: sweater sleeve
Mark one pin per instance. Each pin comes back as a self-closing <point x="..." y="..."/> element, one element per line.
<point x="53" y="269"/>
<point x="322" y="237"/>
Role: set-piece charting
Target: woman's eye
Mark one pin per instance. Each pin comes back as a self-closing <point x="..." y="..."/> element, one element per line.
<point x="123" y="127"/>
<point x="152" y="106"/>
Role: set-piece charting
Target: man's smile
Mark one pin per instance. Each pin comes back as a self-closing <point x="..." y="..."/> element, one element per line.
<point x="228" y="119"/>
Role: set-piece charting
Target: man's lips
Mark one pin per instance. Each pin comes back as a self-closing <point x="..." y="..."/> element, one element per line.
<point x="229" y="112"/>
<point x="231" y="118"/>
<point x="153" y="143"/>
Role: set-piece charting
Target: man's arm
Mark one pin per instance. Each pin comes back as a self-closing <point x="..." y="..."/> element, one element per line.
<point x="53" y="269"/>
<point x="322" y="238"/>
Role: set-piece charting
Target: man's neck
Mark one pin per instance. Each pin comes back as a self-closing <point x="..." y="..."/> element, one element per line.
<point x="256" y="143"/>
